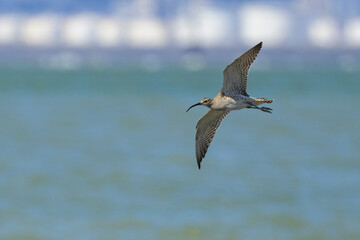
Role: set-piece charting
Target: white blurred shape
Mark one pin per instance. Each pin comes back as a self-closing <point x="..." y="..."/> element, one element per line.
<point x="107" y="32"/>
<point x="39" y="30"/>
<point x="324" y="32"/>
<point x="182" y="30"/>
<point x="77" y="31"/>
<point x="263" y="23"/>
<point x="8" y="25"/>
<point x="208" y="28"/>
<point x="352" y="32"/>
<point x="146" y="33"/>
<point x="214" y="28"/>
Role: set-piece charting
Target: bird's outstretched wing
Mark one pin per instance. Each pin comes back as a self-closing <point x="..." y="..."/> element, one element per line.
<point x="205" y="131"/>
<point x="235" y="74"/>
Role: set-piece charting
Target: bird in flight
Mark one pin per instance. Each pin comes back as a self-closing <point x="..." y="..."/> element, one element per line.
<point x="232" y="96"/>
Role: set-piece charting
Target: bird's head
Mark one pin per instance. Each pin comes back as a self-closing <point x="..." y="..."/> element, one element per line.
<point x="204" y="102"/>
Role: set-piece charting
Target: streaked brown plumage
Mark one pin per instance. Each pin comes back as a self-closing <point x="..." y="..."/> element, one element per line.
<point x="205" y="131"/>
<point x="232" y="96"/>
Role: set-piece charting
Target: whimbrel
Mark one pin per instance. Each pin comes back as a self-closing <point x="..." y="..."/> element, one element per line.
<point x="232" y="96"/>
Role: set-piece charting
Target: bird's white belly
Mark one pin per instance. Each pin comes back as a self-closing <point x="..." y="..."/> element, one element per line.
<point x="240" y="102"/>
<point x="237" y="105"/>
<point x="232" y="103"/>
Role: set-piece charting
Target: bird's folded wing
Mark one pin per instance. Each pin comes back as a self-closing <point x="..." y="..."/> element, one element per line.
<point x="235" y="74"/>
<point x="205" y="131"/>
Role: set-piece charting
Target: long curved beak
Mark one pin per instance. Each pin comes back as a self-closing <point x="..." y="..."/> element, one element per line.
<point x="196" y="104"/>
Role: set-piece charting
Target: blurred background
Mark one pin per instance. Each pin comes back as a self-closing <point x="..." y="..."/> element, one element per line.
<point x="109" y="32"/>
<point x="96" y="143"/>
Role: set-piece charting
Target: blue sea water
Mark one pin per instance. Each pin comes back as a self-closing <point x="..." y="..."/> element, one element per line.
<point x="109" y="154"/>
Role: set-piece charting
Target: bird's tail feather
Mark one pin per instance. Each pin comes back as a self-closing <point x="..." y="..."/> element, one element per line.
<point x="263" y="100"/>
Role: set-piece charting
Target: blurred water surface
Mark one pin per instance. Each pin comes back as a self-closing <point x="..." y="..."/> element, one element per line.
<point x="109" y="154"/>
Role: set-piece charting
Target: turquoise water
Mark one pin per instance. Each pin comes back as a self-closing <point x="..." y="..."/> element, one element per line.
<point x="109" y="154"/>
